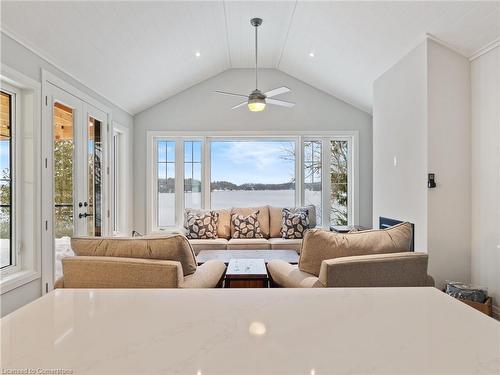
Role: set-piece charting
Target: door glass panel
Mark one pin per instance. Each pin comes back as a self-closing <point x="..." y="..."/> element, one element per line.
<point x="94" y="209"/>
<point x="63" y="180"/>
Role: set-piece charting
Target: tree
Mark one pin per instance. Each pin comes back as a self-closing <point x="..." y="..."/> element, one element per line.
<point x="5" y="203"/>
<point x="63" y="188"/>
<point x="338" y="174"/>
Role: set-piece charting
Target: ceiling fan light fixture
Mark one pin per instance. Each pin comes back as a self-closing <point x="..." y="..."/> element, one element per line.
<point x="256" y="105"/>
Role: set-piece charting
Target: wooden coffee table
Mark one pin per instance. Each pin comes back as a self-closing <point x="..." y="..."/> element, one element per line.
<point x="225" y="256"/>
<point x="246" y="273"/>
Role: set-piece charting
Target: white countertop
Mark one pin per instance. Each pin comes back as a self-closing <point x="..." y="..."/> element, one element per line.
<point x="251" y="331"/>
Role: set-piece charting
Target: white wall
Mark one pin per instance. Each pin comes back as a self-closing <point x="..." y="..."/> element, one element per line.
<point x="485" y="256"/>
<point x="421" y="117"/>
<point x="400" y="132"/>
<point x="448" y="156"/>
<point x="198" y="109"/>
<point x="27" y="62"/>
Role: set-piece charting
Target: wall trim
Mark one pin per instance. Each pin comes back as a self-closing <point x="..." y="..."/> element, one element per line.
<point x="485" y="49"/>
<point x="49" y="60"/>
<point x="446" y="44"/>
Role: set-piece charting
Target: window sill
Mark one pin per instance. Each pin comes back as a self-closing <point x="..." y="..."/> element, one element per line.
<point x="18" y="279"/>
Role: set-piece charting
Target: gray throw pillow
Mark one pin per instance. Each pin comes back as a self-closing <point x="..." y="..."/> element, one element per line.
<point x="246" y="226"/>
<point x="294" y="223"/>
<point x="201" y="225"/>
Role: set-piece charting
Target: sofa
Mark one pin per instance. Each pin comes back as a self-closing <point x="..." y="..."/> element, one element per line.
<point x="164" y="262"/>
<point x="373" y="258"/>
<point x="270" y="220"/>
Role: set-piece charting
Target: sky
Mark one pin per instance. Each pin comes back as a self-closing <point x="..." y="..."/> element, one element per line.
<point x="254" y="162"/>
<point x="237" y="161"/>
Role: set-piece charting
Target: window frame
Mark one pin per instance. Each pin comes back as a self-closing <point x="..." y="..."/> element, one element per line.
<point x="25" y="174"/>
<point x="119" y="198"/>
<point x="15" y="235"/>
<point x="206" y="138"/>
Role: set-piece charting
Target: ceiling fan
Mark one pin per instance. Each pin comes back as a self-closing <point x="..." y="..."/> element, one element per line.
<point x="257" y="100"/>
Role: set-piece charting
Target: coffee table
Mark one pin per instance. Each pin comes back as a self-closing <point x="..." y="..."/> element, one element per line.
<point x="246" y="273"/>
<point x="225" y="256"/>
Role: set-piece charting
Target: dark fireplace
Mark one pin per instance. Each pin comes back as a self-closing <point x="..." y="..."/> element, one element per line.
<point x="385" y="222"/>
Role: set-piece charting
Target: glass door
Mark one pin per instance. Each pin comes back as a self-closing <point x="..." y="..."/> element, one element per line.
<point x="78" y="157"/>
<point x="92" y="216"/>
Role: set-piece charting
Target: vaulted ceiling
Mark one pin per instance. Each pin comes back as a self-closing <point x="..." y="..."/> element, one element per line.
<point x="138" y="53"/>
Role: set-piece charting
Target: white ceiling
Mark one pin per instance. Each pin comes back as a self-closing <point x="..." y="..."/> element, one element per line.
<point x="138" y="53"/>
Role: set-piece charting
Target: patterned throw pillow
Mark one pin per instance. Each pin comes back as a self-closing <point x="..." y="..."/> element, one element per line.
<point x="246" y="226"/>
<point x="201" y="225"/>
<point x="295" y="222"/>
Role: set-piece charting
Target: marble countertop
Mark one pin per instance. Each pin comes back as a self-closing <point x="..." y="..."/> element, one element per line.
<point x="251" y="331"/>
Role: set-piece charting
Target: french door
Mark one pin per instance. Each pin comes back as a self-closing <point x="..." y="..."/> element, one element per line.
<point x="76" y="167"/>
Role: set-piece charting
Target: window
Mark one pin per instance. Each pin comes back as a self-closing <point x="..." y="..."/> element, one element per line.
<point x="339" y="182"/>
<point x="252" y="173"/>
<point x="63" y="171"/>
<point x="20" y="155"/>
<point x="120" y="159"/>
<point x="313" y="176"/>
<point x="192" y="174"/>
<point x="7" y="256"/>
<point x="165" y="172"/>
<point x="204" y="172"/>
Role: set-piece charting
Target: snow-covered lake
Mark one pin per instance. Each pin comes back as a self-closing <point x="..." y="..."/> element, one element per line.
<point x="234" y="198"/>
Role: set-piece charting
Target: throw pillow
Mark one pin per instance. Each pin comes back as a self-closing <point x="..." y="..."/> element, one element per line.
<point x="202" y="225"/>
<point x="294" y="223"/>
<point x="246" y="226"/>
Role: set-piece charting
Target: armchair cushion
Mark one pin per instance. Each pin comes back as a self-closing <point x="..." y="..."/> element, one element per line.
<point x="289" y="276"/>
<point x="380" y="270"/>
<point x="174" y="247"/>
<point x="113" y="272"/>
<point x="208" y="275"/>
<point x="319" y="245"/>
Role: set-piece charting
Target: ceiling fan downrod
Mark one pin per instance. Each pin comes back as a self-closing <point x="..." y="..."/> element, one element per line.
<point x="256" y="22"/>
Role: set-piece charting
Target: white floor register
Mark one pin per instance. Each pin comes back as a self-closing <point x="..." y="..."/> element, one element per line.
<point x="248" y="331"/>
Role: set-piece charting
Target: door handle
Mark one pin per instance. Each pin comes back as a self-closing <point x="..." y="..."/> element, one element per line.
<point x="84" y="215"/>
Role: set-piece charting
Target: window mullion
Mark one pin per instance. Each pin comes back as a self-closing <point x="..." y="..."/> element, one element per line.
<point x="325" y="182"/>
<point x="299" y="171"/>
<point x="206" y="165"/>
<point x="179" y="182"/>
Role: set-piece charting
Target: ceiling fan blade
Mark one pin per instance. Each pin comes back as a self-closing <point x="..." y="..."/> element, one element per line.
<point x="279" y="90"/>
<point x="279" y="102"/>
<point x="239" y="105"/>
<point x="230" y="94"/>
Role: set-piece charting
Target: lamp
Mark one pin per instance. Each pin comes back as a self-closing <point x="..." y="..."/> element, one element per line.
<point x="256" y="101"/>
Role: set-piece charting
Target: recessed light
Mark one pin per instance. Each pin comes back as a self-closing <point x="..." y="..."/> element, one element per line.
<point x="311" y="54"/>
<point x="197" y="54"/>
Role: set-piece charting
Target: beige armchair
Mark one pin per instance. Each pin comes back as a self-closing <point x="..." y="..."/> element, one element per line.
<point x="166" y="262"/>
<point x="377" y="258"/>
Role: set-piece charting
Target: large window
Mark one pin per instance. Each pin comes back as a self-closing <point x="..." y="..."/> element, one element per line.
<point x="252" y="173"/>
<point x="6" y="251"/>
<point x="223" y="172"/>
